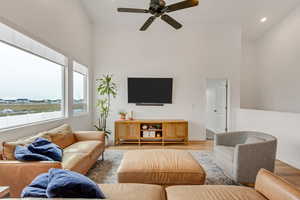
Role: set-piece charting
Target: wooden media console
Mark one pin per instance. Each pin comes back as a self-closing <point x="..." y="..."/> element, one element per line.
<point x="151" y="131"/>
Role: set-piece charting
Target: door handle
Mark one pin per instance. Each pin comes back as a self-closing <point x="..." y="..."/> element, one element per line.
<point x="215" y="110"/>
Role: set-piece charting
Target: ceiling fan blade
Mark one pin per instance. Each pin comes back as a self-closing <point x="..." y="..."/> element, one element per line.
<point x="182" y="5"/>
<point x="171" y="21"/>
<point x="133" y="10"/>
<point x="147" y="23"/>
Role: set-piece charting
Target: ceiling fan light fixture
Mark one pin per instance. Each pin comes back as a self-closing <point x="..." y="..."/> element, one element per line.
<point x="263" y="20"/>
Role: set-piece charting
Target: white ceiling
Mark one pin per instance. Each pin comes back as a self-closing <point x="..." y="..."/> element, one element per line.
<point x="245" y="12"/>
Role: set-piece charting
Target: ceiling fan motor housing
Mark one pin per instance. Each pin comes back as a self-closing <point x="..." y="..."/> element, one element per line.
<point x="157" y="6"/>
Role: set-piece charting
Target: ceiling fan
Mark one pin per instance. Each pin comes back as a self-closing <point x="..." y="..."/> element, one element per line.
<point x="158" y="8"/>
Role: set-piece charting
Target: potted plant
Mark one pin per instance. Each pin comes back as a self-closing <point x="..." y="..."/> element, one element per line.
<point x="107" y="90"/>
<point x="122" y="115"/>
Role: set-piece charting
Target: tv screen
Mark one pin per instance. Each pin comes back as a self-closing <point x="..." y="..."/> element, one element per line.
<point x="150" y="90"/>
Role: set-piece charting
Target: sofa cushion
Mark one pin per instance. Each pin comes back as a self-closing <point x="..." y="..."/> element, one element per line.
<point x="133" y="192"/>
<point x="61" y="136"/>
<point x="84" y="147"/>
<point x="72" y="160"/>
<point x="8" y="148"/>
<point x="212" y="193"/>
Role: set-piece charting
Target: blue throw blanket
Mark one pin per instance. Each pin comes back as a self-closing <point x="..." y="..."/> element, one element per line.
<point x="38" y="187"/>
<point x="40" y="150"/>
<point x="58" y="183"/>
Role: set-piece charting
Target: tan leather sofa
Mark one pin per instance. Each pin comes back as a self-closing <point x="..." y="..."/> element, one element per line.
<point x="268" y="187"/>
<point x="81" y="151"/>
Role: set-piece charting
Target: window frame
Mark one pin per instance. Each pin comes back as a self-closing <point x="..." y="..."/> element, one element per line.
<point x="64" y="70"/>
<point x="85" y="72"/>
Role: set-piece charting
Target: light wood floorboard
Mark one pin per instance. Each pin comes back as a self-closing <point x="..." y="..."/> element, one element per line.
<point x="282" y="169"/>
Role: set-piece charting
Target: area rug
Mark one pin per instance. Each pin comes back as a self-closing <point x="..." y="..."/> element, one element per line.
<point x="106" y="171"/>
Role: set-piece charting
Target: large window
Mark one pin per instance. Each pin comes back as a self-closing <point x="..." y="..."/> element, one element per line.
<point x="80" y="88"/>
<point x="31" y="87"/>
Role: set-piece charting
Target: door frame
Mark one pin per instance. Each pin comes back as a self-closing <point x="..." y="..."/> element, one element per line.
<point x="227" y="96"/>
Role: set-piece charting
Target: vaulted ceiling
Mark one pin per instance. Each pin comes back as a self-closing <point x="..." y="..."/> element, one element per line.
<point x="245" y="12"/>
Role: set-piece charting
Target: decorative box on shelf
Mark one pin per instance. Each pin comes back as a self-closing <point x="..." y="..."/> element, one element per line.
<point x="148" y="134"/>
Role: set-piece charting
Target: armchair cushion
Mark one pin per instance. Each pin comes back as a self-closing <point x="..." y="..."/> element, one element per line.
<point x="253" y="140"/>
<point x="224" y="157"/>
<point x="227" y="152"/>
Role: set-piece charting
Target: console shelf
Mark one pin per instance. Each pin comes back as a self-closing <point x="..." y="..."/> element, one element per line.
<point x="159" y="131"/>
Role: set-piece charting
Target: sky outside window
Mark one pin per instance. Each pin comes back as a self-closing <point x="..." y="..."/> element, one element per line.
<point x="23" y="75"/>
<point x="79" y="83"/>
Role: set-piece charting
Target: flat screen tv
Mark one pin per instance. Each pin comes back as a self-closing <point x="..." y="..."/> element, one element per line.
<point x="150" y="90"/>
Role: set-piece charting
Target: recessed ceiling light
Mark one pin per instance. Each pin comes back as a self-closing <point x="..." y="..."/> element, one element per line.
<point x="263" y="20"/>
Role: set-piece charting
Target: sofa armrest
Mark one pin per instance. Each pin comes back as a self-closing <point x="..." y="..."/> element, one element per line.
<point x="250" y="158"/>
<point x="275" y="187"/>
<point x="18" y="175"/>
<point x="89" y="135"/>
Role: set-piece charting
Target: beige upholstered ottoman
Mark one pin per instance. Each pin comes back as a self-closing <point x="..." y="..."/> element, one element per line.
<point x="161" y="167"/>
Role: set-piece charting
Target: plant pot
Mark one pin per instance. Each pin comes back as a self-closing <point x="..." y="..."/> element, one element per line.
<point x="122" y="117"/>
<point x="109" y="142"/>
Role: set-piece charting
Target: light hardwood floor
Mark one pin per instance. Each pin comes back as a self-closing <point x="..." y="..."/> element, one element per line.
<point x="282" y="169"/>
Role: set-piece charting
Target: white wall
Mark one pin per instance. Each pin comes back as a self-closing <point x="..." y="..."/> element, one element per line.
<point x="61" y="25"/>
<point x="278" y="57"/>
<point x="270" y="81"/>
<point x="190" y="56"/>
<point x="273" y="69"/>
<point x="249" y="69"/>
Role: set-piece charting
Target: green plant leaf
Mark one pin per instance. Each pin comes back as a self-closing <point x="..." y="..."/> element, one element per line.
<point x="107" y="89"/>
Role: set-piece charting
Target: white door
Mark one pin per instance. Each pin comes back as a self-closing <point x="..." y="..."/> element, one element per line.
<point x="216" y="107"/>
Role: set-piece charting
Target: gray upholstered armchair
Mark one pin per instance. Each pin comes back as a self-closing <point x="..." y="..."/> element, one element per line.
<point x="242" y="154"/>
